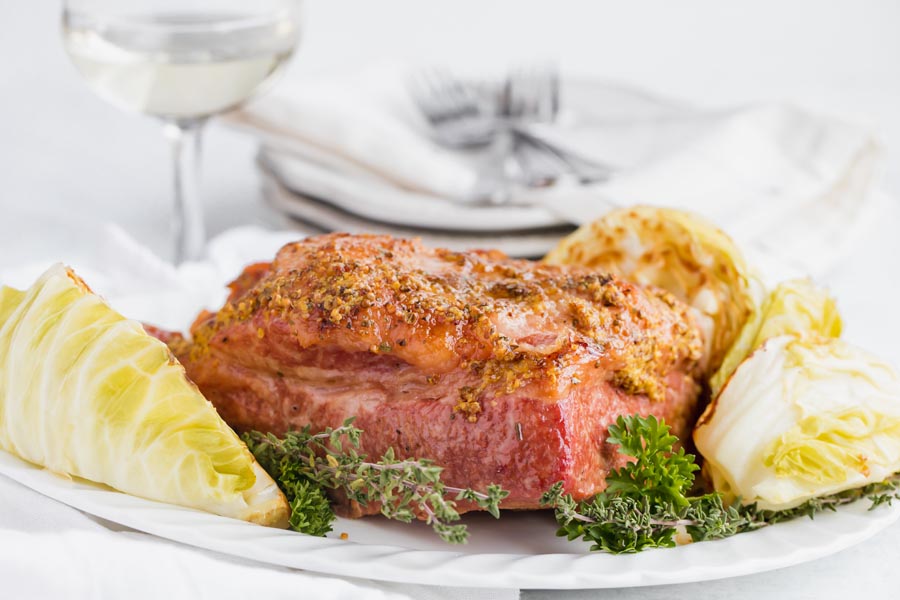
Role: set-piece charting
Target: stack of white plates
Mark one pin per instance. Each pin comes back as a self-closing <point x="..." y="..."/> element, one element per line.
<point x="353" y="207"/>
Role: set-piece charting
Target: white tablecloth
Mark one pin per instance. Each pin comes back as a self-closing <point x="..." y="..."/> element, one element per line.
<point x="48" y="550"/>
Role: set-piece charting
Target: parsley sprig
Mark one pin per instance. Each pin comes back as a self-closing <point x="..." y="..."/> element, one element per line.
<point x="306" y="464"/>
<point x="647" y="502"/>
<point x="658" y="473"/>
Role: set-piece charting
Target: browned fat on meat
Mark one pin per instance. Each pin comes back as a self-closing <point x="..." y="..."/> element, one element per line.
<point x="501" y="371"/>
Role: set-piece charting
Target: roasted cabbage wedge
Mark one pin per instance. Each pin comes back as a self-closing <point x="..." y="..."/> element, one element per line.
<point x="801" y="418"/>
<point x="795" y="307"/>
<point x="676" y="251"/>
<point x="86" y="392"/>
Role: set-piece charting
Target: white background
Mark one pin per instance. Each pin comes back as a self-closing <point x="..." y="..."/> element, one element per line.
<point x="66" y="157"/>
<point x="62" y="146"/>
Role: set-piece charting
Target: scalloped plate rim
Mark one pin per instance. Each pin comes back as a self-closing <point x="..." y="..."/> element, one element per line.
<point x="452" y="568"/>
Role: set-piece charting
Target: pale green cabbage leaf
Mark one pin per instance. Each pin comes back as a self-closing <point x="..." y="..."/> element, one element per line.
<point x="88" y="393"/>
<point x="802" y="418"/>
<point x="795" y="307"/>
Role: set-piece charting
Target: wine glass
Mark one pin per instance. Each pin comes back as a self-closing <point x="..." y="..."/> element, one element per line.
<point x="181" y="61"/>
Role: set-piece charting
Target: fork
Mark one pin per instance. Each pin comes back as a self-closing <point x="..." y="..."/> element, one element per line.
<point x="530" y="95"/>
<point x="458" y="116"/>
<point x="462" y="118"/>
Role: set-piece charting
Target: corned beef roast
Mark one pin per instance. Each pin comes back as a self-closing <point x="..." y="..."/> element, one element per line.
<point x="502" y="371"/>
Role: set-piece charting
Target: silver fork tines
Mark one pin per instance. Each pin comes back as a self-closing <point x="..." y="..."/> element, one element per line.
<point x="463" y="117"/>
<point x="456" y="114"/>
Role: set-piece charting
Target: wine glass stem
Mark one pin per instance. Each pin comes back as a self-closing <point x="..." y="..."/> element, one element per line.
<point x="189" y="232"/>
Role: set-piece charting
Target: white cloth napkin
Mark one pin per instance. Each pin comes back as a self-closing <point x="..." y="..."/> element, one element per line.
<point x="789" y="183"/>
<point x="49" y="550"/>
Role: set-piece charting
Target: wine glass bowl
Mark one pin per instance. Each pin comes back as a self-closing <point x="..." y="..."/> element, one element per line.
<point x="181" y="62"/>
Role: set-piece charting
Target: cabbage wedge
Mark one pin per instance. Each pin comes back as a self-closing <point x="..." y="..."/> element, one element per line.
<point x="802" y="418"/>
<point x="88" y="393"/>
<point x="679" y="252"/>
<point x="795" y="307"/>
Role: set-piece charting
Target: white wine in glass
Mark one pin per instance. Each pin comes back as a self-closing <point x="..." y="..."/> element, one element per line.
<point x="182" y="62"/>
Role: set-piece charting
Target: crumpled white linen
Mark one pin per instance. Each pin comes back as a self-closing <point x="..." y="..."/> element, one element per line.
<point x="783" y="181"/>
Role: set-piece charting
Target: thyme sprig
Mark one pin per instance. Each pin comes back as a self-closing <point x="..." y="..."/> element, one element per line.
<point x="306" y="464"/>
<point x="647" y="503"/>
<point x="878" y="494"/>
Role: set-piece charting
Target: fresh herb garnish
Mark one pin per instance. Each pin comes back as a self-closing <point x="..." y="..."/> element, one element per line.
<point x="305" y="464"/>
<point x="647" y="501"/>
<point x="878" y="494"/>
<point x="646" y="504"/>
<point x="659" y="474"/>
